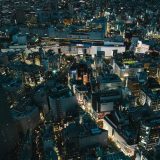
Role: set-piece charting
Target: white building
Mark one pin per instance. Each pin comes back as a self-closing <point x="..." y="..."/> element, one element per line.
<point x="108" y="49"/>
<point x="142" y="48"/>
<point x="117" y="137"/>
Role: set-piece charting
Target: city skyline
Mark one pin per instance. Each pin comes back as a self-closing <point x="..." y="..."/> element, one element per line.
<point x="79" y="80"/>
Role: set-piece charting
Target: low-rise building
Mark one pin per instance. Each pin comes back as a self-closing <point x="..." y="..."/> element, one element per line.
<point x="84" y="135"/>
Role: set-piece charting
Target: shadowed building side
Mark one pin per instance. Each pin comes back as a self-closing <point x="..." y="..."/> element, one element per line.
<point x="8" y="130"/>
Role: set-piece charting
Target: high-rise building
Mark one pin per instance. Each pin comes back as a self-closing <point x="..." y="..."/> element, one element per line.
<point x="20" y="16"/>
<point x="150" y="94"/>
<point x="149" y="133"/>
<point x="53" y="5"/>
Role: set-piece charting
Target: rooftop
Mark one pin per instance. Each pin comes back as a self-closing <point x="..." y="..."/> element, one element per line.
<point x="117" y="156"/>
<point x="152" y="89"/>
<point x="152" y="122"/>
<point x="125" y="130"/>
<point x="108" y="78"/>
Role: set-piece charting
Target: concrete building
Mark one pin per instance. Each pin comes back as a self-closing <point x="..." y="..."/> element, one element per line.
<point x="3" y="59"/>
<point x="105" y="101"/>
<point x="142" y="48"/>
<point x="57" y="102"/>
<point x="120" y="132"/>
<point x="108" y="48"/>
<point x="108" y="82"/>
<point x="125" y="65"/>
<point x="41" y="100"/>
<point x="149" y="133"/>
<point x="19" y="39"/>
<point x="150" y="94"/>
<point x="26" y="116"/>
<point x="81" y="136"/>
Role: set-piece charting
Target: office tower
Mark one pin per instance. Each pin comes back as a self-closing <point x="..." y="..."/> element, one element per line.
<point x="53" y="5"/>
<point x="20" y="16"/>
<point x="149" y="133"/>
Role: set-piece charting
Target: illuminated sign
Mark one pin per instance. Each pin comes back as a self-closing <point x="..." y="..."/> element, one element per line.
<point x="101" y="115"/>
<point x="129" y="62"/>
